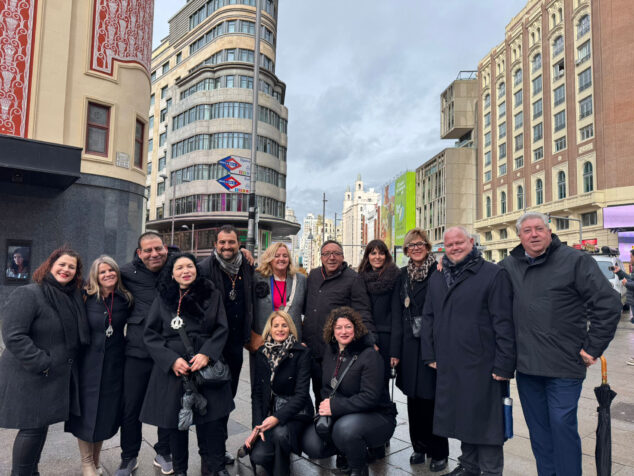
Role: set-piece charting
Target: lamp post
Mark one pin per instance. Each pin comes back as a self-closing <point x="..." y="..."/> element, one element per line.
<point x="173" y="197"/>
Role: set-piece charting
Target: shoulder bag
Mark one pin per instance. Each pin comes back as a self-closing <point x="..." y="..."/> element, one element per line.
<point x="213" y="374"/>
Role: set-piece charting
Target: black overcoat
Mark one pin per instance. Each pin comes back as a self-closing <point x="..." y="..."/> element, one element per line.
<point x="34" y="339"/>
<point x="468" y="331"/>
<point x="291" y="381"/>
<point x="101" y="372"/>
<point x="206" y="324"/>
<point x="413" y="377"/>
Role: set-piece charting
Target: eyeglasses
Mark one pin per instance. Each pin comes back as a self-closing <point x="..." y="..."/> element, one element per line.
<point x="328" y="254"/>
<point x="418" y="244"/>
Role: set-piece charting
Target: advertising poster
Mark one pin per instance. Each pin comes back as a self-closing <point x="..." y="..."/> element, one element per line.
<point x="386" y="232"/>
<point x="404" y="206"/>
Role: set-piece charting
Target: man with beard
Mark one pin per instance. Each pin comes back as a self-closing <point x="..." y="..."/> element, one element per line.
<point x="233" y="276"/>
<point x="467" y="335"/>
<point x="140" y="277"/>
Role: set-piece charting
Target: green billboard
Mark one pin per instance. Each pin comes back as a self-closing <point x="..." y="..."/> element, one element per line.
<point x="405" y="206"/>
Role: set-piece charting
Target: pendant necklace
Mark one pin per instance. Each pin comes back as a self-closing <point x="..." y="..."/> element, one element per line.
<point x="109" y="330"/>
<point x="177" y="322"/>
<point x="233" y="294"/>
<point x="281" y="292"/>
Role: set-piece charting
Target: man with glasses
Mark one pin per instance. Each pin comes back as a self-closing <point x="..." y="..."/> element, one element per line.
<point x="331" y="285"/>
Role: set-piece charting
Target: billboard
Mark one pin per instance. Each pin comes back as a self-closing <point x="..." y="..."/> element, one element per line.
<point x="404" y="206"/>
<point x="386" y="229"/>
<point x="618" y="217"/>
<point x="238" y="180"/>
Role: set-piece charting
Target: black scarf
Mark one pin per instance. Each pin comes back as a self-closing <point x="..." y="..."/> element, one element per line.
<point x="383" y="281"/>
<point x="452" y="271"/>
<point x="67" y="302"/>
<point x="275" y="352"/>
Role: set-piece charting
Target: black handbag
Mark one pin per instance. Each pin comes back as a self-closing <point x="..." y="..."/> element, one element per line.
<point x="213" y="374"/>
<point x="323" y="423"/>
<point x="280" y="402"/>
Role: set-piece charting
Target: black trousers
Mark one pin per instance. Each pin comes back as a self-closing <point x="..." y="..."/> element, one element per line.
<point x="487" y="460"/>
<point x="274" y="453"/>
<point x="420" y="413"/>
<point x="27" y="449"/>
<point x="315" y="375"/>
<point x="136" y="375"/>
<point x="352" y="435"/>
<point x="233" y="358"/>
<point x="210" y="437"/>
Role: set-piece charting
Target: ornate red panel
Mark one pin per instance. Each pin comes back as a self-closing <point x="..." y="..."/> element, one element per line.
<point x="17" y="32"/>
<point x="122" y="31"/>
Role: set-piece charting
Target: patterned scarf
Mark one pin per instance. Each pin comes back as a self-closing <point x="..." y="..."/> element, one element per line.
<point x="275" y="352"/>
<point x="452" y="271"/>
<point x="419" y="273"/>
<point x="231" y="267"/>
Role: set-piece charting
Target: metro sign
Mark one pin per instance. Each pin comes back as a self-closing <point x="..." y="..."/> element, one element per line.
<point x="229" y="182"/>
<point x="230" y="163"/>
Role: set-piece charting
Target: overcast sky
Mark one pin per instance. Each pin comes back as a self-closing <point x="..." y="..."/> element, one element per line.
<point x="363" y="81"/>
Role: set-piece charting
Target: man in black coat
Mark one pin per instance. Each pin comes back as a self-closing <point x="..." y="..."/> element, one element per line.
<point x="140" y="278"/>
<point x="557" y="291"/>
<point x="467" y="335"/>
<point x="331" y="285"/>
<point x="233" y="277"/>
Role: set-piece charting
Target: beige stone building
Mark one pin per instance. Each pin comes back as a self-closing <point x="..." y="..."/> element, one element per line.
<point x="200" y="118"/>
<point x="357" y="205"/>
<point x="555" y="121"/>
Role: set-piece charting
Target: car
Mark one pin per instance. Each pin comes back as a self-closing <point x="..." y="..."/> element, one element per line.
<point x="607" y="259"/>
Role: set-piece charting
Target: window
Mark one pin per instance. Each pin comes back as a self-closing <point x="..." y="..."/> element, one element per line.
<point x="97" y="129"/>
<point x="487" y="176"/>
<point x="229" y="80"/>
<point x="488" y="235"/>
<point x="501" y="90"/>
<point x="561" y="184"/>
<point x="163" y="115"/>
<point x="562" y="223"/>
<point x="560" y="120"/>
<point x="537" y="109"/>
<point x="487" y="119"/>
<point x="585" y="107"/>
<point x="149" y="168"/>
<point x="153" y="76"/>
<point x="165" y="68"/>
<point x="150" y="145"/>
<point x="161" y="163"/>
<point x="163" y="91"/>
<point x="503" y="202"/>
<point x="502" y="170"/>
<point x="538" y="132"/>
<point x="589" y="219"/>
<point x="502" y="150"/>
<point x="246" y="82"/>
<point x="538" y="154"/>
<point x="588" y="183"/>
<point x="539" y="191"/>
<point x="488" y="208"/>
<point x="560" y="94"/>
<point x="520" y="197"/>
<point x="504" y="234"/>
<point x="487" y="100"/>
<point x="518" y="120"/>
<point x="519" y="142"/>
<point x="519" y="162"/>
<point x="138" y="144"/>
<point x="230" y="26"/>
<point x="517" y="98"/>
<point x="179" y="57"/>
<point x="585" y="79"/>
<point x="537" y="85"/>
<point x="160" y="211"/>
<point x="162" y="139"/>
<point x="488" y="255"/>
<point x="517" y="77"/>
<point x="502" y="109"/>
<point x="487" y="158"/>
<point x="558" y="70"/>
<point x="487" y="139"/>
<point x="586" y="132"/>
<point x="560" y="144"/>
<point x="502" y="130"/>
<point x="537" y="62"/>
<point x="160" y="188"/>
<point x="151" y="123"/>
<point x="558" y="45"/>
<point x="151" y="99"/>
<point x="583" y="52"/>
<point x="583" y="26"/>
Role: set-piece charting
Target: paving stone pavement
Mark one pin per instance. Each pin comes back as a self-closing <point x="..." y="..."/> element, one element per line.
<point x="61" y="455"/>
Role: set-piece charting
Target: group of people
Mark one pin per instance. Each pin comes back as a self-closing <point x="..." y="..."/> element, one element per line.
<point x="129" y="346"/>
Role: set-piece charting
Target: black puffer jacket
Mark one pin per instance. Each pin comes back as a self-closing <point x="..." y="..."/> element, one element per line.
<point x="554" y="298"/>
<point x="362" y="388"/>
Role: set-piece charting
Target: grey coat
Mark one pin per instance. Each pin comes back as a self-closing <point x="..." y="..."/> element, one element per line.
<point x="264" y="305"/>
<point x="31" y="396"/>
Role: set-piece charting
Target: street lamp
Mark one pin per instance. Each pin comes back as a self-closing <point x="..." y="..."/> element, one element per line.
<point x="164" y="177"/>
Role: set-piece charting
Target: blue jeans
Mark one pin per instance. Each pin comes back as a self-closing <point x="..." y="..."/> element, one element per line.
<point x="550" y="409"/>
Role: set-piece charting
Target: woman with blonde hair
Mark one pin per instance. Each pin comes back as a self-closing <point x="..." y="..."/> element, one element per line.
<point x="108" y="305"/>
<point x="277" y="286"/>
<point x="281" y="403"/>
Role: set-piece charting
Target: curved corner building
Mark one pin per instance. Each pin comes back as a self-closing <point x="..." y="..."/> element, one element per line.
<point x="201" y="112"/>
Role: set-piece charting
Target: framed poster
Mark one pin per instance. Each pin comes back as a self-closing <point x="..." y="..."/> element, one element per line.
<point x="17" y="261"/>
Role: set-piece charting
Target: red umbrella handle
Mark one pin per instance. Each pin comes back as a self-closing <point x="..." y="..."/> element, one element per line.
<point x="604" y="371"/>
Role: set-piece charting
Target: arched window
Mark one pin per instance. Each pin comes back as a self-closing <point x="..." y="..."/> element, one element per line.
<point x="539" y="191"/>
<point x="501" y="89"/>
<point x="537" y="62"/>
<point x="561" y="184"/>
<point x="488" y="206"/>
<point x="532" y="38"/>
<point x="561" y="15"/>
<point x="517" y="76"/>
<point x="588" y="183"/>
<point x="487" y="100"/>
<point x="520" y="197"/>
<point x="503" y="202"/>
<point x="583" y="26"/>
<point x="553" y="20"/>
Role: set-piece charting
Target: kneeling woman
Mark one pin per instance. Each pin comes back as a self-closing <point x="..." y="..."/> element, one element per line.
<point x="361" y="409"/>
<point x="187" y="299"/>
<point x="281" y="403"/>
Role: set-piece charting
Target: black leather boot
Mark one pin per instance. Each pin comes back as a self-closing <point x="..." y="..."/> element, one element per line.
<point x="360" y="471"/>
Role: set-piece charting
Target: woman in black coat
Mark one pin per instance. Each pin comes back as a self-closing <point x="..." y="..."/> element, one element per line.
<point x="281" y="403"/>
<point x="43" y="325"/>
<point x="108" y="306"/>
<point x="415" y="379"/>
<point x="187" y="299"/>
<point x="362" y="412"/>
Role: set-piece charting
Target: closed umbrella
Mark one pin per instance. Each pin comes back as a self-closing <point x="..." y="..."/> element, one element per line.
<point x="603" y="450"/>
